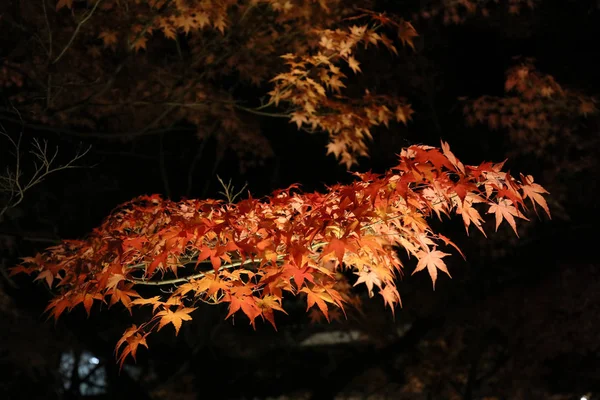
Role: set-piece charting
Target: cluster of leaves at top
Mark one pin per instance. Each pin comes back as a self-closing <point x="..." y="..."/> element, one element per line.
<point x="537" y="111"/>
<point x="185" y="55"/>
<point x="251" y="253"/>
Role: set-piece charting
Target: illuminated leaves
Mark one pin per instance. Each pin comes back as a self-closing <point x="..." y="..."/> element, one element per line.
<point x="132" y="340"/>
<point x="369" y="278"/>
<point x="312" y="88"/>
<point x="535" y="193"/>
<point x="185" y="54"/>
<point x="432" y="260"/>
<point x="353" y="64"/>
<point x="505" y="210"/>
<point x="174" y="317"/>
<point x="252" y="254"/>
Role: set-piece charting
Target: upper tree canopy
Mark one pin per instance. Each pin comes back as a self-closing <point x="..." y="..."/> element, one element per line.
<point x="125" y="69"/>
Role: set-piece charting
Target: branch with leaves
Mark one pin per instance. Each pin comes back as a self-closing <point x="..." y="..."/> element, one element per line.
<point x="185" y="54"/>
<point x="253" y="253"/>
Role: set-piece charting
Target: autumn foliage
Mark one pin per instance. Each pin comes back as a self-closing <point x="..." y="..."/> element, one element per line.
<point x="536" y="111"/>
<point x="252" y="254"/>
<point x="189" y="59"/>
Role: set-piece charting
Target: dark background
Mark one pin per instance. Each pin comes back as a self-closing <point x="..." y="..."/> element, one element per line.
<point x="519" y="319"/>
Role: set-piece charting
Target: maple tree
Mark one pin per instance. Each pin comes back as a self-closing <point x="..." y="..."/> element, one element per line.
<point x="148" y="68"/>
<point x="185" y="55"/>
<point x="249" y="254"/>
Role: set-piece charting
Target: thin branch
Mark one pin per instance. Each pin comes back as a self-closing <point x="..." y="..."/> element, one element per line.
<point x="229" y="193"/>
<point x="49" y="50"/>
<point x="257" y="111"/>
<point x="77" y="29"/>
<point x="191" y="277"/>
<point x="12" y="184"/>
<point x="199" y="275"/>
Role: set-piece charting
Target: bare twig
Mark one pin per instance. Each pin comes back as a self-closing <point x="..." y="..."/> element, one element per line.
<point x="228" y="192"/>
<point x="14" y="184"/>
<point x="77" y="29"/>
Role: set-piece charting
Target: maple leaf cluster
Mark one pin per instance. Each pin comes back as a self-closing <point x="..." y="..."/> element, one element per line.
<point x="536" y="110"/>
<point x="124" y="70"/>
<point x="312" y="80"/>
<point x="251" y="254"/>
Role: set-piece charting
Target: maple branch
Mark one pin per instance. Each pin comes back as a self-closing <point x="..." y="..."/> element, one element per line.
<point x="190" y="277"/>
<point x="49" y="50"/>
<point x="257" y="111"/>
<point x="77" y="29"/>
<point x="199" y="275"/>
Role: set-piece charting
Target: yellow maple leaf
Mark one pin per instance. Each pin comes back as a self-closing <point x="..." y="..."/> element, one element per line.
<point x="336" y="147"/>
<point x="176" y="318"/>
<point x="299" y="118"/>
<point x="353" y="64"/>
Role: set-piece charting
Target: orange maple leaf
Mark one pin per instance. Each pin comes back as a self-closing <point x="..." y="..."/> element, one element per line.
<point x="87" y="299"/>
<point x="57" y="307"/>
<point x="133" y="339"/>
<point x="267" y="304"/>
<point x="175" y="318"/>
<point x="243" y="299"/>
<point x="109" y="39"/>
<point x="338" y="246"/>
<point x="318" y="298"/>
<point x="47" y="275"/>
